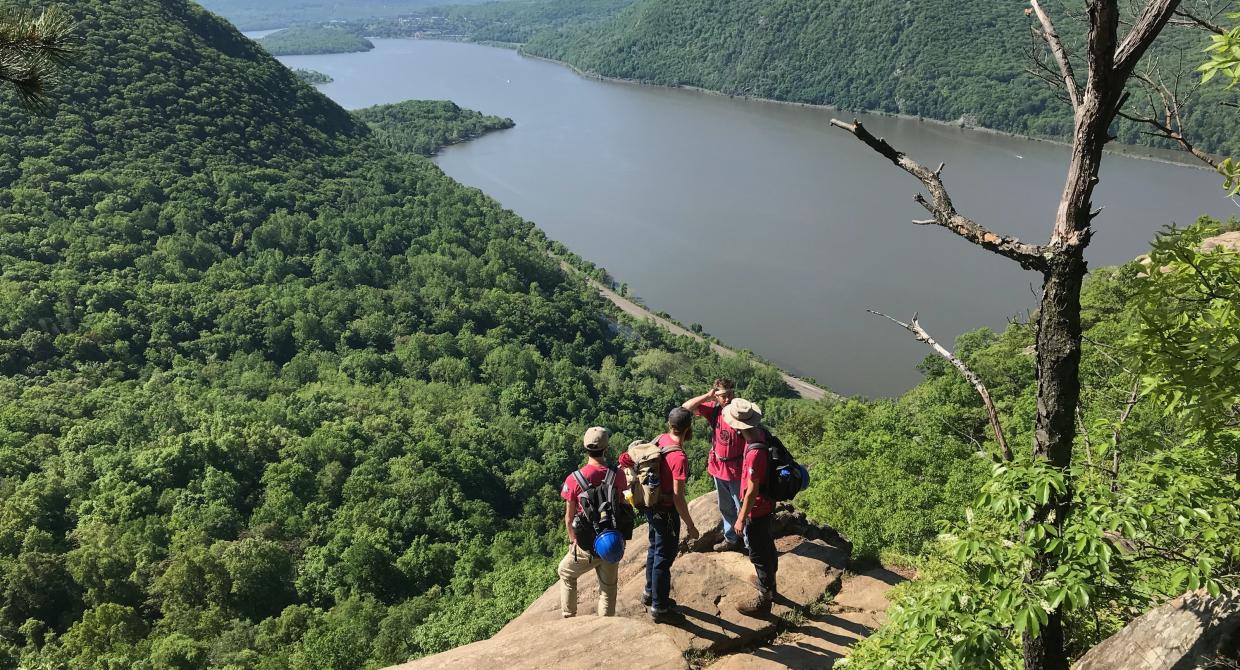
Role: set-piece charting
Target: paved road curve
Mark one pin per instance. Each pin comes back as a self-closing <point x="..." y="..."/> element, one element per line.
<point x="803" y="388"/>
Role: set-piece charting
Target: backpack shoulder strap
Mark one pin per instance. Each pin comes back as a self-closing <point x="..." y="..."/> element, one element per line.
<point x="581" y="481"/>
<point x="756" y="445"/>
<point x="609" y="480"/>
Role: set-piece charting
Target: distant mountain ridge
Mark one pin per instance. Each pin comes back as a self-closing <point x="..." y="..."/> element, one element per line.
<point x="950" y="60"/>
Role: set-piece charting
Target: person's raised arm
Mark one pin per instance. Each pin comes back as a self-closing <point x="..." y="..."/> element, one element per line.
<point x="570" y="511"/>
<point x="682" y="508"/>
<point x="692" y="403"/>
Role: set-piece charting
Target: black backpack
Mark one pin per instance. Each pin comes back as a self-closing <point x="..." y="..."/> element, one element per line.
<point x="600" y="509"/>
<point x="783" y="478"/>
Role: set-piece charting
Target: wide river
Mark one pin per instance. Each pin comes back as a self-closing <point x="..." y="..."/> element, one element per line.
<point x="758" y="220"/>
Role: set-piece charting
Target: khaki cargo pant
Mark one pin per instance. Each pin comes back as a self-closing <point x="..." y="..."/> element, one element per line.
<point x="577" y="563"/>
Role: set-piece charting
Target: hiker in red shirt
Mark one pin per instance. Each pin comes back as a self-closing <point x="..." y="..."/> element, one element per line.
<point x="580" y="560"/>
<point x="754" y="519"/>
<point x="663" y="521"/>
<point x="726" y="453"/>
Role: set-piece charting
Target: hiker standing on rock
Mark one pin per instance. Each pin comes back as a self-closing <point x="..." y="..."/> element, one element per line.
<point x="581" y="557"/>
<point x="664" y="516"/>
<point x="724" y="461"/>
<point x="753" y="521"/>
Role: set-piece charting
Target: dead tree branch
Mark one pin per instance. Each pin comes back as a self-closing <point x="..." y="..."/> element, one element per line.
<point x="1149" y="24"/>
<point x="922" y="336"/>
<point x="1171" y="123"/>
<point x="1061" y="56"/>
<point x="1191" y="19"/>
<point x="1030" y="256"/>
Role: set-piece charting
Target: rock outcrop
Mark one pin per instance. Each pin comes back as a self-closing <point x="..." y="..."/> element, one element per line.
<point x="856" y="611"/>
<point x="1226" y="242"/>
<point x="707" y="587"/>
<point x="1192" y="631"/>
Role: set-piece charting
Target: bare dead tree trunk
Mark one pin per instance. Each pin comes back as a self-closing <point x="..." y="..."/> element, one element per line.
<point x="1110" y="63"/>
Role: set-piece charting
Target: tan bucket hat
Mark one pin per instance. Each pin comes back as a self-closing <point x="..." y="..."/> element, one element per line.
<point x="596" y="438"/>
<point x="741" y="414"/>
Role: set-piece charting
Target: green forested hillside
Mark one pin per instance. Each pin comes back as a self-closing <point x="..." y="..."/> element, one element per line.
<point x="272" y="14"/>
<point x="506" y="22"/>
<point x="314" y="40"/>
<point x="939" y="59"/>
<point x="271" y="394"/>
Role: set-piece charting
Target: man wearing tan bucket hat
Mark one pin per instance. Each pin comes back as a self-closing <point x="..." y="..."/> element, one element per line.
<point x="753" y="522"/>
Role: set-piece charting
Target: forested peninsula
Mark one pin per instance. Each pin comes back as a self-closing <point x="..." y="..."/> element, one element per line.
<point x="966" y="62"/>
<point x="313" y="77"/>
<point x="305" y="40"/>
<point x="424" y="126"/>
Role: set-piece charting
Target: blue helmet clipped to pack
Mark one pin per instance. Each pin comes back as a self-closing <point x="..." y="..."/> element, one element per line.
<point x="609" y="546"/>
<point x="804" y="477"/>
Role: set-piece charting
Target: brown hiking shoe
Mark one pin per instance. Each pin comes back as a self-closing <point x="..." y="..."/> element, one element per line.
<point x="759" y="604"/>
<point x="728" y="546"/>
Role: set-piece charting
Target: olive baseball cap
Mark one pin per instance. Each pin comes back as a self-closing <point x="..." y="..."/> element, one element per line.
<point x="596" y="438"/>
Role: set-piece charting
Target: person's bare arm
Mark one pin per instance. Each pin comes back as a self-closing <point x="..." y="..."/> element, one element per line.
<point x="682" y="508"/>
<point x="692" y="403"/>
<point x="570" y="510"/>
<point x="747" y="498"/>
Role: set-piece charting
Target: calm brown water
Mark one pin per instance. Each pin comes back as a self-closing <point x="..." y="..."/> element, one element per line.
<point x="758" y="220"/>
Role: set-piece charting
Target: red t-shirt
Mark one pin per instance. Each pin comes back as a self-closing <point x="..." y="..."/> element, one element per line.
<point x="728" y="445"/>
<point x="594" y="474"/>
<point x="755" y="473"/>
<point x="675" y="466"/>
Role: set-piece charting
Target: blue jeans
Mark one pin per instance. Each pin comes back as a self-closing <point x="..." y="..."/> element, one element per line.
<point x="729" y="506"/>
<point x="664" y="536"/>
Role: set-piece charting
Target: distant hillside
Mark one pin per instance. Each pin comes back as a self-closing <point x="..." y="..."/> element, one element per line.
<point x="272" y="14"/>
<point x="314" y="40"/>
<point x="950" y="60"/>
<point x="271" y="394"/>
<point x="941" y="59"/>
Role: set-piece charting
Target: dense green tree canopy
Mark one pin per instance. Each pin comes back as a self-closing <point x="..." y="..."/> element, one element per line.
<point x="273" y="394"/>
<point x="423" y="126"/>
<point x="314" y="40"/>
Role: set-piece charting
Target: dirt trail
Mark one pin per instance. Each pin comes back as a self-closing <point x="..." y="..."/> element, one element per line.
<point x="803" y="388"/>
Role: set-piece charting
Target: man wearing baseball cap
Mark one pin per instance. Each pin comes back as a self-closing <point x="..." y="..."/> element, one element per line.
<point x="754" y="519"/>
<point x="580" y="560"/>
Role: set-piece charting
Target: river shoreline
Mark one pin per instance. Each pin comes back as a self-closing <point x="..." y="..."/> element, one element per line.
<point x="1125" y="150"/>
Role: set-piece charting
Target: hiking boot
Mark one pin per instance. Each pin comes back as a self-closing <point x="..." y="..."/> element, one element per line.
<point x="647" y="601"/>
<point x="729" y="546"/>
<point x="666" y="615"/>
<point x="759" y="604"/>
